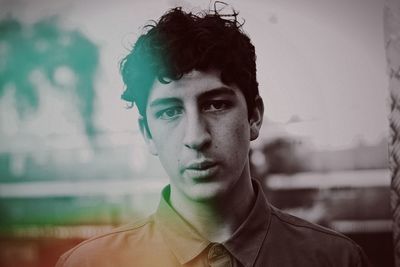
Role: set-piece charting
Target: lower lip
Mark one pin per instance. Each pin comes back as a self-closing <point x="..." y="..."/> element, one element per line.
<point x="200" y="175"/>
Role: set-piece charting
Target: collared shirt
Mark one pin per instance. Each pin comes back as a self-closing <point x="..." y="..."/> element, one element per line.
<point x="268" y="237"/>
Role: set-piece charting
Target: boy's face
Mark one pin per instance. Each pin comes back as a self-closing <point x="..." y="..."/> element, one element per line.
<point x="199" y="128"/>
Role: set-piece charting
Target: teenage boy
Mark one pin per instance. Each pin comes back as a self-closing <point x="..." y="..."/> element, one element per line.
<point x="193" y="80"/>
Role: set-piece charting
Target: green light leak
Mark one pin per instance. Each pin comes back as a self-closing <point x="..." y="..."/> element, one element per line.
<point x="47" y="48"/>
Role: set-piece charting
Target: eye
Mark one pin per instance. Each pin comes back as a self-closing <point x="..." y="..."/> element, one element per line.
<point x="169" y="113"/>
<point x="216" y="105"/>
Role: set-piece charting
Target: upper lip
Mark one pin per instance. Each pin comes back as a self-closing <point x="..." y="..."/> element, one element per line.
<point x="200" y="165"/>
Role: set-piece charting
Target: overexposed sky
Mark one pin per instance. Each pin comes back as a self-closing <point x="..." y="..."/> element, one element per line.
<point x="321" y="61"/>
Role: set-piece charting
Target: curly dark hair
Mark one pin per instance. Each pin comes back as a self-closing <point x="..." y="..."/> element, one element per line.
<point x="181" y="42"/>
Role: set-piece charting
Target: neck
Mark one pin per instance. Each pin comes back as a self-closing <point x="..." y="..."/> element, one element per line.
<point x="218" y="218"/>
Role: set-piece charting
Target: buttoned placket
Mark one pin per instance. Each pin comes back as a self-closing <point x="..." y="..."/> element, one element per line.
<point x="218" y="256"/>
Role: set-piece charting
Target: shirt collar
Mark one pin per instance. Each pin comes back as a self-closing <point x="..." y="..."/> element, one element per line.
<point x="186" y="243"/>
<point x="252" y="232"/>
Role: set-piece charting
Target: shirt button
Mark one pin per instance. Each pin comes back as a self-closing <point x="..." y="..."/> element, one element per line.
<point x="218" y="256"/>
<point x="216" y="251"/>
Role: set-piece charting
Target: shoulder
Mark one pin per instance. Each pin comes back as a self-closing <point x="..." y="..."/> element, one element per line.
<point x="94" y="250"/>
<point x="289" y="221"/>
<point x="308" y="238"/>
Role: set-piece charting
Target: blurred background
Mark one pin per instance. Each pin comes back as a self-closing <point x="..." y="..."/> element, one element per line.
<point x="72" y="161"/>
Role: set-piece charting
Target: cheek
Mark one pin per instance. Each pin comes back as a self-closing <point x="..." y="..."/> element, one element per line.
<point x="234" y="138"/>
<point x="242" y="138"/>
<point x="163" y="138"/>
<point x="169" y="160"/>
<point x="168" y="150"/>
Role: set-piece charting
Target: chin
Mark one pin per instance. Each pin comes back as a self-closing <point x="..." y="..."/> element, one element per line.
<point x="205" y="192"/>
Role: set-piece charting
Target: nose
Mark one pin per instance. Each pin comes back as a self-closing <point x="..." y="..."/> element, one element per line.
<point x="197" y="135"/>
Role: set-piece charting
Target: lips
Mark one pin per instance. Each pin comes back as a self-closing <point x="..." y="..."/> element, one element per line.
<point x="200" y="170"/>
<point x="201" y="165"/>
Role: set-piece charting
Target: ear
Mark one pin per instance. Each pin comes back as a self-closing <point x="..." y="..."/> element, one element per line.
<point x="144" y="130"/>
<point x="256" y="118"/>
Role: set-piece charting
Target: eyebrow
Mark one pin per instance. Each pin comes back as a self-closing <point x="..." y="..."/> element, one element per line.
<point x="219" y="91"/>
<point x="164" y="101"/>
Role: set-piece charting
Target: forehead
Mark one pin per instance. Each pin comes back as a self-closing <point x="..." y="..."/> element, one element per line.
<point x="191" y="86"/>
